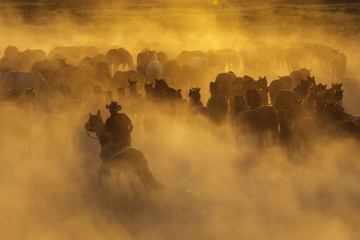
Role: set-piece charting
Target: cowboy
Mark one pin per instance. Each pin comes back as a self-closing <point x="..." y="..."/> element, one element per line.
<point x="118" y="126"/>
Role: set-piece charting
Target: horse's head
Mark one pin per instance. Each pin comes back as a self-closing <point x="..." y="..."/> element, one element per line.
<point x="253" y="98"/>
<point x="262" y="82"/>
<point x="336" y="86"/>
<point x="282" y="114"/>
<point x="239" y="103"/>
<point x="305" y="84"/>
<point x="149" y="88"/>
<point x="194" y="94"/>
<point x="178" y="93"/>
<point x="160" y="85"/>
<point x="94" y="122"/>
<point x="311" y="80"/>
<point x="29" y="92"/>
<point x="132" y="85"/>
<point x="152" y="56"/>
<point x="214" y="89"/>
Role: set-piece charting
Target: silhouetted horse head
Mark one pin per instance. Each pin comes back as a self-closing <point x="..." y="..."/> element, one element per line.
<point x="311" y="80"/>
<point x="149" y="89"/>
<point x="152" y="56"/>
<point x="318" y="88"/>
<point x="336" y="85"/>
<point x="194" y="94"/>
<point x="282" y="114"/>
<point x="160" y="84"/>
<point x="338" y="92"/>
<point x="253" y="98"/>
<point x="132" y="86"/>
<point x="94" y="122"/>
<point x="305" y="84"/>
<point x="178" y="93"/>
<point x="261" y="83"/>
<point x="239" y="103"/>
<point x="214" y="89"/>
<point x="29" y="93"/>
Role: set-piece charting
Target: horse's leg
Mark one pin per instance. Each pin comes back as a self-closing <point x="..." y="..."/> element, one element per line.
<point x="104" y="170"/>
<point x="123" y="198"/>
<point x="133" y="198"/>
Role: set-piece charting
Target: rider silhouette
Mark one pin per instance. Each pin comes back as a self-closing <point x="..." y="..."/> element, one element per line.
<point x="118" y="127"/>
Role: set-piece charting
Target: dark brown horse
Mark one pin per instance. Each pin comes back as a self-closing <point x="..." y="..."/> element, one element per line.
<point x="195" y="105"/>
<point x="130" y="161"/>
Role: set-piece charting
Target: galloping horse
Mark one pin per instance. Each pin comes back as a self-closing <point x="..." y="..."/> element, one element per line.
<point x="130" y="161"/>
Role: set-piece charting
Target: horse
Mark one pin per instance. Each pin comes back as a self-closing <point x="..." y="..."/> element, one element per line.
<point x="117" y="57"/>
<point x="133" y="92"/>
<point x="149" y="90"/>
<point x="154" y="69"/>
<point x="269" y="113"/>
<point x="195" y="104"/>
<point x="128" y="160"/>
<point x="224" y="80"/>
<point x="277" y="85"/>
<point x="120" y="78"/>
<point x="250" y="122"/>
<point x="301" y="91"/>
<point x="163" y="92"/>
<point x="335" y="93"/>
<point x="217" y="104"/>
<point x="253" y="98"/>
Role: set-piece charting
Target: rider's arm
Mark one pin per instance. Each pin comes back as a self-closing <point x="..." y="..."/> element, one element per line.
<point x="107" y="128"/>
<point x="131" y="127"/>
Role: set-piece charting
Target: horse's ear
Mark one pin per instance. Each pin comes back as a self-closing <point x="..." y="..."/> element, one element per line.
<point x="98" y="112"/>
<point x="90" y="114"/>
<point x="325" y="85"/>
<point x="340" y="85"/>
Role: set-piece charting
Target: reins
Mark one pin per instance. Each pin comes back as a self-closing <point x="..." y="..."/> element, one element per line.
<point x="90" y="135"/>
<point x="93" y="129"/>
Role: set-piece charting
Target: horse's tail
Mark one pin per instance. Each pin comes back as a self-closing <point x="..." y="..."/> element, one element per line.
<point x="146" y="177"/>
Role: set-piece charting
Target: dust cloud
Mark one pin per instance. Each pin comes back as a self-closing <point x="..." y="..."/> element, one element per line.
<point x="215" y="187"/>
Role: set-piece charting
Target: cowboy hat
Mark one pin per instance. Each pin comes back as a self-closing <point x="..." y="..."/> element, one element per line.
<point x="113" y="106"/>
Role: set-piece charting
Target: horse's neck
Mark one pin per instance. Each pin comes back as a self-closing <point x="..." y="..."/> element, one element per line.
<point x="133" y="91"/>
<point x="196" y="103"/>
<point x="100" y="132"/>
<point x="239" y="108"/>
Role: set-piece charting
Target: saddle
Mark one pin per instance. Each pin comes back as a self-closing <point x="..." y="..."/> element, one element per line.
<point x="113" y="149"/>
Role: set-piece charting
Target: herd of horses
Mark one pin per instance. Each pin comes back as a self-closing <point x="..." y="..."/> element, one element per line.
<point x="291" y="110"/>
